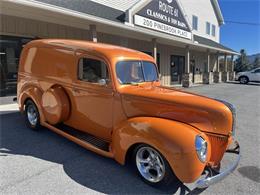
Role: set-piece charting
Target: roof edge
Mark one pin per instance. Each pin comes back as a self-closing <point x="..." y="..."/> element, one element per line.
<point x="60" y="10"/>
<point x="218" y="11"/>
<point x="212" y="44"/>
<point x="135" y="8"/>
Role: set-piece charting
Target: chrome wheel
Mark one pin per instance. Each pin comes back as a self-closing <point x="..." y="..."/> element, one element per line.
<point x="32" y="115"/>
<point x="150" y="164"/>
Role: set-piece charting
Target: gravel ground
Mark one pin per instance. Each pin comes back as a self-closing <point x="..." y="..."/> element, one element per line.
<point x="45" y="163"/>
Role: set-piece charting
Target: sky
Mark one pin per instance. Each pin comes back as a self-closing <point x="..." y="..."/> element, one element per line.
<point x="241" y="36"/>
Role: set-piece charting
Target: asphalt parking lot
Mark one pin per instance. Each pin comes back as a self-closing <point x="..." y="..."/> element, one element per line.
<point x="45" y="163"/>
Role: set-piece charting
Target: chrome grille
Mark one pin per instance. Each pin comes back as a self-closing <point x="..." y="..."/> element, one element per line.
<point x="218" y="147"/>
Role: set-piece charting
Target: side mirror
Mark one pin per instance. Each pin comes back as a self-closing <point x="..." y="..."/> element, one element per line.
<point x="102" y="82"/>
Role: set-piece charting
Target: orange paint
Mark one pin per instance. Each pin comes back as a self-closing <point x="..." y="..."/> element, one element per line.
<point x="123" y="115"/>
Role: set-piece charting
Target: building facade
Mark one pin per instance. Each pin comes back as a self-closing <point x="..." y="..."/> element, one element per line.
<point x="182" y="35"/>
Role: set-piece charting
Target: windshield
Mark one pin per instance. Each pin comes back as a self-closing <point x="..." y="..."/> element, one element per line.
<point x="129" y="72"/>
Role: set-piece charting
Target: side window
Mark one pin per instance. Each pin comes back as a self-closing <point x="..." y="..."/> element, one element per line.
<point x="207" y="28"/>
<point x="195" y="22"/>
<point x="213" y="32"/>
<point x="93" y="71"/>
<point x="257" y="71"/>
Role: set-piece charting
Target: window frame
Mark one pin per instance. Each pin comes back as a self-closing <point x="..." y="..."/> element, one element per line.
<point x="158" y="59"/>
<point x="213" y="26"/>
<point x="197" y="24"/>
<point x="156" y="68"/>
<point x="109" y="84"/>
<point x="208" y="25"/>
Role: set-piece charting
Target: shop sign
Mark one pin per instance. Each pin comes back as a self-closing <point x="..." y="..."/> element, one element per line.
<point x="164" y="16"/>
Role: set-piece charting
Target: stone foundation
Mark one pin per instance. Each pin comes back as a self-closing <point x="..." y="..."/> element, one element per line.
<point x="225" y="76"/>
<point x="207" y="78"/>
<point x="232" y="76"/>
<point x="217" y="77"/>
<point x="187" y="80"/>
<point x="198" y="78"/>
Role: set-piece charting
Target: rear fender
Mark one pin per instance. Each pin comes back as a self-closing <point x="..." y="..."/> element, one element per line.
<point x="174" y="140"/>
<point x="35" y="94"/>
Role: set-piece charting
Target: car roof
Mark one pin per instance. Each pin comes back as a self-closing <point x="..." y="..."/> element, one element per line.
<point x="110" y="51"/>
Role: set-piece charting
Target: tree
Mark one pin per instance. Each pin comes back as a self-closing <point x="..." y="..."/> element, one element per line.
<point x="242" y="62"/>
<point x="257" y="62"/>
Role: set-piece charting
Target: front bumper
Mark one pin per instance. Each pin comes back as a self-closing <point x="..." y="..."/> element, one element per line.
<point x="206" y="182"/>
<point x="237" y="77"/>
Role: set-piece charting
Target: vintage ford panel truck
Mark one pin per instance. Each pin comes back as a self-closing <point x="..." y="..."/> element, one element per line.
<point x="109" y="100"/>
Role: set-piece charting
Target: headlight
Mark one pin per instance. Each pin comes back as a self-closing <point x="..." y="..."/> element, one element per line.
<point x="201" y="148"/>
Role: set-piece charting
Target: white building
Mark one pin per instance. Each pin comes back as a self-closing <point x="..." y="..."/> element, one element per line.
<point x="183" y="34"/>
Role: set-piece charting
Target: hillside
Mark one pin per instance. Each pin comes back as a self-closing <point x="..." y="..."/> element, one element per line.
<point x="252" y="58"/>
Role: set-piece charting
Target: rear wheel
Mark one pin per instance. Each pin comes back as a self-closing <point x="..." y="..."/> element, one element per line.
<point x="243" y="80"/>
<point x="152" y="167"/>
<point x="32" y="116"/>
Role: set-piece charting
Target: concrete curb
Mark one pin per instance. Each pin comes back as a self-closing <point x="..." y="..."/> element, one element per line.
<point x="8" y="108"/>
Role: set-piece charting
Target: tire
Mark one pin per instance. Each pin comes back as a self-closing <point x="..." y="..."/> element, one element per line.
<point x="32" y="116"/>
<point x="243" y="79"/>
<point x="148" y="169"/>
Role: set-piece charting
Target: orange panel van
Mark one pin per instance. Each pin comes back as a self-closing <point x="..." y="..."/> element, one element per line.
<point x="109" y="100"/>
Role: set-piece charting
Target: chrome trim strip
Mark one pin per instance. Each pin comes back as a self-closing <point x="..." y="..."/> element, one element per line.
<point x="206" y="182"/>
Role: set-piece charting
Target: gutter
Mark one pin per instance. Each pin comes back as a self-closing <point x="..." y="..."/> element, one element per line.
<point x="218" y="11"/>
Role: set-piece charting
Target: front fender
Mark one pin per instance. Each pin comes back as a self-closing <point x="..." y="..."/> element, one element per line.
<point x="174" y="140"/>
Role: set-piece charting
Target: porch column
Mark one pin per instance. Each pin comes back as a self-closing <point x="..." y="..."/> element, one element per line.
<point x="208" y="75"/>
<point x="187" y="76"/>
<point x="217" y="62"/>
<point x="217" y="73"/>
<point x="225" y="73"/>
<point x="225" y="62"/>
<point x="232" y="63"/>
<point x="187" y="60"/>
<point x="155" y="50"/>
<point x="208" y="61"/>
<point x="232" y="73"/>
<point x="93" y="32"/>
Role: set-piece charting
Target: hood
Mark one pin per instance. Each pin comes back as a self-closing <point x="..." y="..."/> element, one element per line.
<point x="206" y="114"/>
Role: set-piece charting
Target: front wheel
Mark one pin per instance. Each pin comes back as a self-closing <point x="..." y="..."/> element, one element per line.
<point x="32" y="116"/>
<point x="243" y="80"/>
<point x="152" y="166"/>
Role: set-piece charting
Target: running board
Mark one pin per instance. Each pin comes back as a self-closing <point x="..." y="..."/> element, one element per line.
<point x="97" y="142"/>
<point x="86" y="140"/>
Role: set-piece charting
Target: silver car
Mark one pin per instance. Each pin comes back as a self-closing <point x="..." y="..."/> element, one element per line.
<point x="248" y="76"/>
